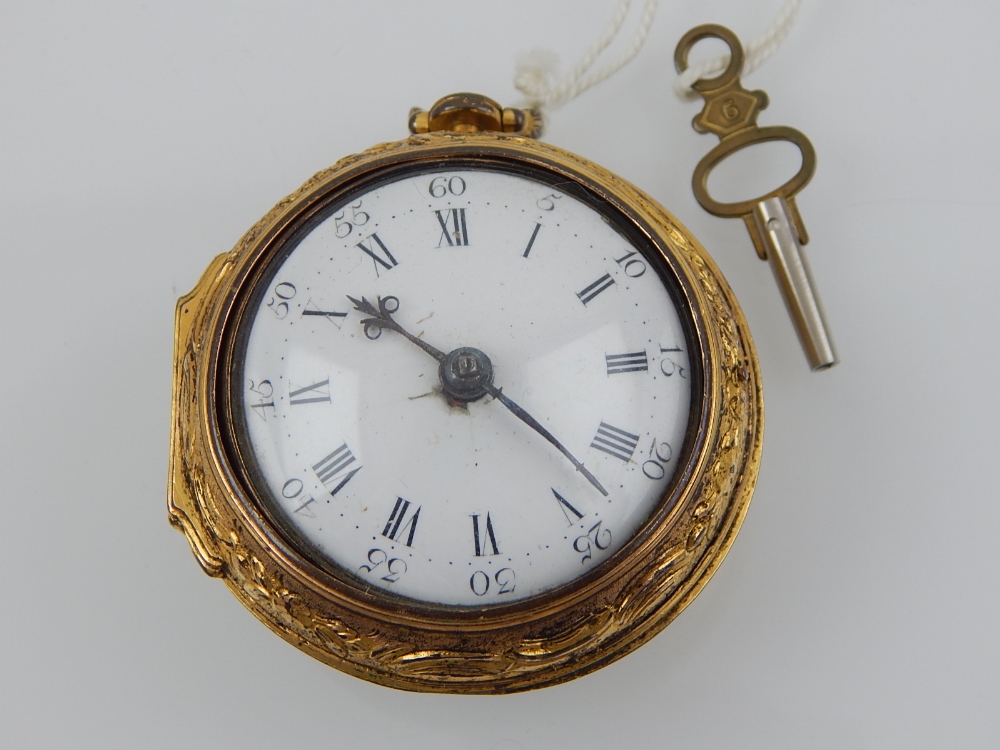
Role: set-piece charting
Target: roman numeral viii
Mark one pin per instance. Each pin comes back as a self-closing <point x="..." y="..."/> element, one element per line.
<point x="401" y="522"/>
<point x="483" y="534"/>
<point x="629" y="362"/>
<point x="330" y="466"/>
<point x="454" y="230"/>
<point x="378" y="252"/>
<point x="615" y="442"/>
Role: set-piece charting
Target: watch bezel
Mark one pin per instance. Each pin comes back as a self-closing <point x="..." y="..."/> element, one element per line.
<point x="232" y="414"/>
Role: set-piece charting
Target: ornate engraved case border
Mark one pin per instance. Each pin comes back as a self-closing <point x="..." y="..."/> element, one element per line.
<point x="539" y="642"/>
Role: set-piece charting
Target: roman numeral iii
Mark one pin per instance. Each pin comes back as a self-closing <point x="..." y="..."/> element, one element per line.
<point x="629" y="362"/>
<point x="454" y="230"/>
<point x="615" y="442"/>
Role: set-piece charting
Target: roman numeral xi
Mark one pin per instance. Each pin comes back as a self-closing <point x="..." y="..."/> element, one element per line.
<point x="378" y="252"/>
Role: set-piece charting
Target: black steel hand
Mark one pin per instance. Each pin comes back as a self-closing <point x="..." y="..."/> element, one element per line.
<point x="534" y="424"/>
<point x="466" y="373"/>
<point x="381" y="317"/>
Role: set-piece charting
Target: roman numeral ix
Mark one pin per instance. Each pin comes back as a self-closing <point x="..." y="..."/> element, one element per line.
<point x="311" y="394"/>
<point x="454" y="230"/>
<point x="615" y="442"/>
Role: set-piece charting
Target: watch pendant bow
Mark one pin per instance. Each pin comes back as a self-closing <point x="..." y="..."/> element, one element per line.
<point x="464" y="413"/>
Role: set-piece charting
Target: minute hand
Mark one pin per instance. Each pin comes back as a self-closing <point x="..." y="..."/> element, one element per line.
<point x="534" y="424"/>
<point x="381" y="317"/>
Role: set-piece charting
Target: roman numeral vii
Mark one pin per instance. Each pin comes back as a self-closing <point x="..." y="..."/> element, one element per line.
<point x="401" y="524"/>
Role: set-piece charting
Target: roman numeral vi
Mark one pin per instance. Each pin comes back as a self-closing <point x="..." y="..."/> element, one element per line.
<point x="487" y="535"/>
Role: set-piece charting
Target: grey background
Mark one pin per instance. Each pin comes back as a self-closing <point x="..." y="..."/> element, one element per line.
<point x="858" y="607"/>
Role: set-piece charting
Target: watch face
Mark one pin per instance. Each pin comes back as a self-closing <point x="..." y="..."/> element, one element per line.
<point x="463" y="386"/>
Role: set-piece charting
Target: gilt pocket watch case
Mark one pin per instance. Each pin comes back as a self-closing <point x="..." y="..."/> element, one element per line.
<point x="464" y="413"/>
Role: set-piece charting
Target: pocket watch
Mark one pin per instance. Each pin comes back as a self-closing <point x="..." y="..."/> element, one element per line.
<point x="464" y="413"/>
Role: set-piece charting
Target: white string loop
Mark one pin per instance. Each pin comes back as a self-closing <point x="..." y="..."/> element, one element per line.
<point x="532" y="77"/>
<point x="534" y="72"/>
<point x="756" y="52"/>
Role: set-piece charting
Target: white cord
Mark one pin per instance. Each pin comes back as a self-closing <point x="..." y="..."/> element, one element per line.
<point x="757" y="52"/>
<point x="534" y="70"/>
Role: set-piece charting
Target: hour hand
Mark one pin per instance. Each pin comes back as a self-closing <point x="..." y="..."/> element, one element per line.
<point x="380" y="317"/>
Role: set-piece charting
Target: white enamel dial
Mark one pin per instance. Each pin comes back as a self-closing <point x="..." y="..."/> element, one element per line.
<point x="364" y="455"/>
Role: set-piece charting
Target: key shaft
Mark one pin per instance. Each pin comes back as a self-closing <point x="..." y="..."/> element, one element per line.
<point x="775" y="223"/>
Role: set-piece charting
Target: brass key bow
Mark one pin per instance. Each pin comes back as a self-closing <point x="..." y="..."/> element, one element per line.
<point x="773" y="219"/>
